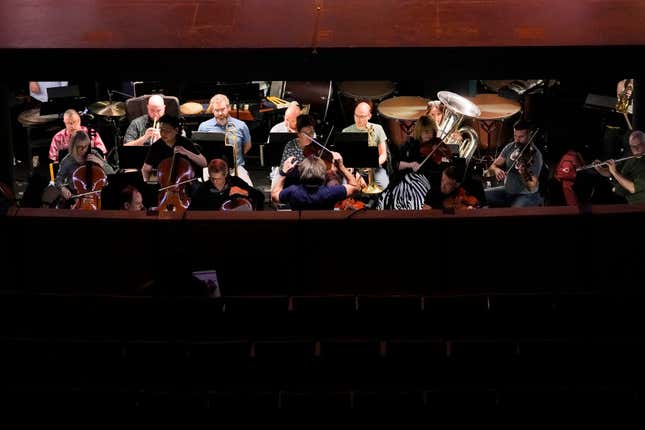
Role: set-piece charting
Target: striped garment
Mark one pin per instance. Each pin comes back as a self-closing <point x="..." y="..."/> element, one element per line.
<point x="408" y="194"/>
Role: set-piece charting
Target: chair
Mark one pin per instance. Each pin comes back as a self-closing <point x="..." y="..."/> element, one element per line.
<point x="137" y="106"/>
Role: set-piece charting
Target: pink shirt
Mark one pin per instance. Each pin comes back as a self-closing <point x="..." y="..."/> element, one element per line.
<point x="62" y="138"/>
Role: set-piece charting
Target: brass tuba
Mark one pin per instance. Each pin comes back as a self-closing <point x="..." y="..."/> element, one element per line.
<point x="456" y="108"/>
<point x="624" y="100"/>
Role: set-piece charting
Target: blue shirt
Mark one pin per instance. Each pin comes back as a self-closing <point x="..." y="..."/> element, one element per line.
<point x="241" y="131"/>
<point x="324" y="197"/>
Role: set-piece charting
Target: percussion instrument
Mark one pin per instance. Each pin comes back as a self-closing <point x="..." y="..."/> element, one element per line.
<point x="32" y="117"/>
<point x="191" y="108"/>
<point x="494" y="111"/>
<point x="105" y="108"/>
<point x="353" y="92"/>
<point x="401" y="114"/>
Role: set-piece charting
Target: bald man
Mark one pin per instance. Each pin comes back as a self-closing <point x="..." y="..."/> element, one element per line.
<point x="286" y="126"/>
<point x="140" y="132"/>
<point x="362" y="115"/>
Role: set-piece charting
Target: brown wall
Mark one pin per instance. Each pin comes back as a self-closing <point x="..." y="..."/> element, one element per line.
<point x="318" y="23"/>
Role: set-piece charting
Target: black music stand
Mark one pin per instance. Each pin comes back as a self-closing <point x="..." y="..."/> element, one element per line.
<point x="212" y="146"/>
<point x="132" y="157"/>
<point x="355" y="151"/>
<point x="274" y="149"/>
<point x="62" y="98"/>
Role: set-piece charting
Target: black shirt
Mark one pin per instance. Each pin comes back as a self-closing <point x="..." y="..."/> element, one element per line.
<point x="209" y="198"/>
<point x="159" y="151"/>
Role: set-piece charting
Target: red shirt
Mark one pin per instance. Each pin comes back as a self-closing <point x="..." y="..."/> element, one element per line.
<point x="62" y="138"/>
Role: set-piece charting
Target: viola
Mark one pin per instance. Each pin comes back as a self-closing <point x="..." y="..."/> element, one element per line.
<point x="174" y="173"/>
<point x="89" y="179"/>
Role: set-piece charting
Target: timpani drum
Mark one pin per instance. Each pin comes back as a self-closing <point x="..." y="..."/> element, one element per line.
<point x="353" y="92"/>
<point x="401" y="114"/>
<point x="492" y="124"/>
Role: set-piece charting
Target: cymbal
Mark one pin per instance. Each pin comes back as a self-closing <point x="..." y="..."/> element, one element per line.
<point x="108" y="109"/>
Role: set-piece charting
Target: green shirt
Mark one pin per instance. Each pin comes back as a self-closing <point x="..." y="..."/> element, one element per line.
<point x="379" y="133"/>
<point x="634" y="170"/>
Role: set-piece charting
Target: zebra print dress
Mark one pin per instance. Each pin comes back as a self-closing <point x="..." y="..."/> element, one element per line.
<point x="408" y="194"/>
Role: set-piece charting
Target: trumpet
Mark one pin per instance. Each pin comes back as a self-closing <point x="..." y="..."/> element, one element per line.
<point x="155" y="125"/>
<point x="604" y="163"/>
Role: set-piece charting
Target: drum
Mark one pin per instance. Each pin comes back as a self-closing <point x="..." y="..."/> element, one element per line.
<point x="191" y="108"/>
<point x="353" y="92"/>
<point x="314" y="96"/>
<point x="493" y="125"/>
<point x="401" y="114"/>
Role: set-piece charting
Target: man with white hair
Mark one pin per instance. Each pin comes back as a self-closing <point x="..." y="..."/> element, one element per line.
<point x="236" y="131"/>
<point x="629" y="178"/>
<point x="141" y="131"/>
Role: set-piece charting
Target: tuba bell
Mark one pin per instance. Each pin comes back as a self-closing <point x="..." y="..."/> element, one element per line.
<point x="456" y="108"/>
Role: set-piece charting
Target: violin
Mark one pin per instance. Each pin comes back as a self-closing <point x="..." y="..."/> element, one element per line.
<point x="174" y="173"/>
<point x="89" y="180"/>
<point x="436" y="150"/>
<point x="460" y="200"/>
<point x="349" y="204"/>
<point x="313" y="150"/>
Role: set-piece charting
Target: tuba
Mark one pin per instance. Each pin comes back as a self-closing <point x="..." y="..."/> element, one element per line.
<point x="624" y="99"/>
<point x="456" y="108"/>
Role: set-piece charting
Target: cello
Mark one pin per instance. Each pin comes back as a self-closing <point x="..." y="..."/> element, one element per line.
<point x="174" y="173"/>
<point x="89" y="180"/>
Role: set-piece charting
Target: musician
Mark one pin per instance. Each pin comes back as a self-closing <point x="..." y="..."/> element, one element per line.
<point x="60" y="141"/>
<point x="289" y="125"/>
<point x="221" y="187"/>
<point x="629" y="177"/>
<point x="222" y="122"/>
<point x="521" y="183"/>
<point x="311" y="192"/>
<point x="452" y="194"/>
<point x="79" y="154"/>
<point x="141" y="132"/>
<point x="171" y="142"/>
<point x="295" y="148"/>
<point x="411" y="180"/>
<point x="362" y="115"/>
<point x="130" y="199"/>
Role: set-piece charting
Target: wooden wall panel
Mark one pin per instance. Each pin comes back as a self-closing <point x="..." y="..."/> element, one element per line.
<point x="318" y="23"/>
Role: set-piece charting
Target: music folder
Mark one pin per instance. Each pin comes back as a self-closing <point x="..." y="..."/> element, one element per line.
<point x="354" y="150"/>
<point x="274" y="149"/>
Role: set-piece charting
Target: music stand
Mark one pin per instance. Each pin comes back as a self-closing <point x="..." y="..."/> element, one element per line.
<point x="275" y="147"/>
<point x="212" y="146"/>
<point x="355" y="151"/>
<point x="132" y="157"/>
<point x="62" y="98"/>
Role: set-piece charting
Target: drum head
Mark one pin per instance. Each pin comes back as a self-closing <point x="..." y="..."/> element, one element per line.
<point x="405" y="108"/>
<point x="191" y="108"/>
<point x="372" y="90"/>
